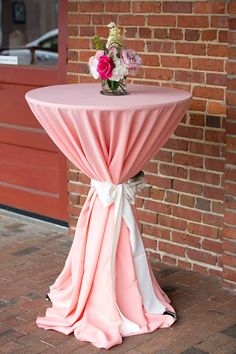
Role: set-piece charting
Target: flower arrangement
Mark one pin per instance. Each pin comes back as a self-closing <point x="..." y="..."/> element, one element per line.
<point x="113" y="62"/>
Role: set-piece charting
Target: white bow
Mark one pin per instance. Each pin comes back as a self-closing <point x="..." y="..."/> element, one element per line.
<point x="123" y="195"/>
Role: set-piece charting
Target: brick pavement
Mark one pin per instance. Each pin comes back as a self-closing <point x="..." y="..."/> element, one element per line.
<point x="32" y="253"/>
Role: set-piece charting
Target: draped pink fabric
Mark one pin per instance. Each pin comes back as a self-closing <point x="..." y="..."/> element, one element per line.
<point x="109" y="139"/>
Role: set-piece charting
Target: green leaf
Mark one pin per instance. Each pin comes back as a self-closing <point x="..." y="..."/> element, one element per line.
<point x="98" y="43"/>
<point x="113" y="85"/>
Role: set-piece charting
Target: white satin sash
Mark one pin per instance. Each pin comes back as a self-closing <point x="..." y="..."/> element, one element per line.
<point x="123" y="196"/>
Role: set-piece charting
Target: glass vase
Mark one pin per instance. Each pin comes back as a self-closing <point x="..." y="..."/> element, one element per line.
<point x="114" y="88"/>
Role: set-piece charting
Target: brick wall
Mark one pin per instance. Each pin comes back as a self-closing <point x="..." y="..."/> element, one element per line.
<point x="183" y="44"/>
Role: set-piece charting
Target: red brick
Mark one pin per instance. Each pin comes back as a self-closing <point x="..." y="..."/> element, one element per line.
<point x="213" y="246"/>
<point x="232" y="23"/>
<point x="197" y="105"/>
<point x="158" y="207"/>
<point x="175" y="33"/>
<point x="201" y="256"/>
<point x="177" y="6"/>
<point x="229" y="232"/>
<point x="137" y="45"/>
<point x="213" y="121"/>
<point x="216" y="108"/>
<point x="156" y="231"/>
<point x="232" y="7"/>
<point x="193" y="241"/>
<point x="171" y="197"/>
<point x="189" y="132"/>
<point x="164" y="156"/>
<point x="230" y="175"/>
<point x="104" y="19"/>
<point x="84" y="55"/>
<point x="197" y="119"/>
<point x="78" y="19"/>
<point x="208" y="64"/>
<point x="209" y="35"/>
<point x="145" y="32"/>
<point x="71" y="79"/>
<point x="190" y="48"/>
<point x="223" y="36"/>
<point x="178" y="237"/>
<point x="229" y="260"/>
<point x="95" y="6"/>
<point x="146" y="7"/>
<point x="159" y="181"/>
<point x="169" y="260"/>
<point x="219" y="21"/>
<point x="159" y="74"/>
<point x="203" y="230"/>
<point x="171" y="222"/>
<point x="189" y="76"/>
<point x="116" y="6"/>
<point x="134" y="20"/>
<point x="75" y="43"/>
<point x="86" y="31"/>
<point x="170" y="248"/>
<point x="192" y="35"/>
<point x="157" y="194"/>
<point x="230" y="217"/>
<point x="231" y="158"/>
<point x="214" y="164"/>
<point x="72" y="55"/>
<point x="229" y="274"/>
<point x="231" y="113"/>
<point x="203" y="204"/>
<point x="187" y="200"/>
<point x="78" y="188"/>
<point x="149" y="243"/>
<point x="187" y="187"/>
<point x="231" y="84"/>
<point x="231" y="98"/>
<point x="229" y="246"/>
<point x="147" y="216"/>
<point x="176" y="171"/>
<point x="216" y="79"/>
<point x="204" y="177"/>
<point x="193" y="21"/>
<point x="232" y="52"/>
<point x="204" y="149"/>
<point x="209" y="7"/>
<point x="183" y="264"/>
<point x="131" y="32"/>
<point x="215" y="136"/>
<point x="232" y="37"/>
<point x="188" y="160"/>
<point x="217" y="50"/>
<point x="73" y="7"/>
<point x="214" y="220"/>
<point x="73" y="31"/>
<point x="175" y="61"/>
<point x="160" y="33"/>
<point x="161" y="20"/>
<point x="213" y="192"/>
<point x="78" y="68"/>
<point x="160" y="47"/>
<point x="217" y="207"/>
<point x="186" y="213"/>
<point x="176" y="144"/>
<point x="209" y="92"/>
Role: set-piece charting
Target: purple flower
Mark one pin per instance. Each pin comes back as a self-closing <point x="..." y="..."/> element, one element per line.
<point x="131" y="59"/>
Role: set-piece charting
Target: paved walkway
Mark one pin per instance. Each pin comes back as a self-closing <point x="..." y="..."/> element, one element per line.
<point x="32" y="253"/>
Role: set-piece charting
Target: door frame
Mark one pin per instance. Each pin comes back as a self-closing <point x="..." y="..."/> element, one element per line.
<point x="15" y="74"/>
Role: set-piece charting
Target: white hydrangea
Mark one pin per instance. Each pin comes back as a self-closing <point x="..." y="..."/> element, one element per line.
<point x="119" y="71"/>
<point x="93" y="64"/>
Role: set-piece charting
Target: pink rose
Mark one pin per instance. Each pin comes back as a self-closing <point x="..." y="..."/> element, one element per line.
<point x="105" y="67"/>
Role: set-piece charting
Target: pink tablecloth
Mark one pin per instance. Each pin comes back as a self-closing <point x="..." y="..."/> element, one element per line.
<point x="107" y="289"/>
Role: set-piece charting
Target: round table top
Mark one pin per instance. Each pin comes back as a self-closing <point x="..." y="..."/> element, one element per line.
<point x="87" y="96"/>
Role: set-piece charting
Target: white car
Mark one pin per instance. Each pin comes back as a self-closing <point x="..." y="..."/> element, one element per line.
<point x="41" y="51"/>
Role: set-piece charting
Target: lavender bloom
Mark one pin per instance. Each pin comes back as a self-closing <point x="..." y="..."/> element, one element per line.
<point x="131" y="59"/>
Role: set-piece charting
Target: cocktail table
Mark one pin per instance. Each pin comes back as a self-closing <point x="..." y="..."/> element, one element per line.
<point x="106" y="289"/>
